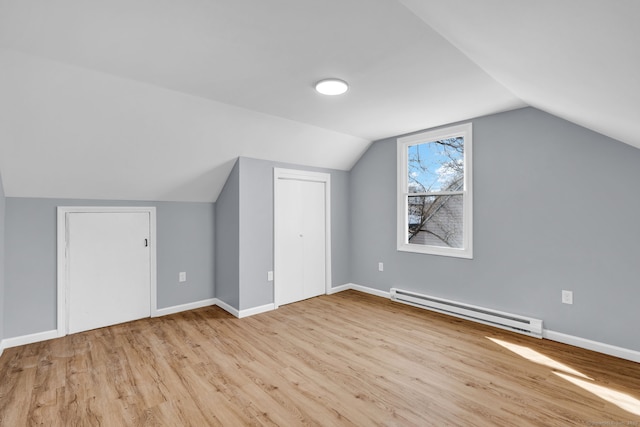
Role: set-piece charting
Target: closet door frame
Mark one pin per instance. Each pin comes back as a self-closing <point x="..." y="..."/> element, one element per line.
<point x="62" y="264"/>
<point x="302" y="175"/>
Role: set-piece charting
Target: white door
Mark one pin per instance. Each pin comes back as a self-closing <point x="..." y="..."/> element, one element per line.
<point x="109" y="269"/>
<point x="300" y="239"/>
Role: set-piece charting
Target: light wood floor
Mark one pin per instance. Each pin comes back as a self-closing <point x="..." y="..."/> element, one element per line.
<point x="344" y="359"/>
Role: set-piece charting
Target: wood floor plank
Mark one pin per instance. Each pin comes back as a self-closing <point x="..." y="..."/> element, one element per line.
<point x="348" y="359"/>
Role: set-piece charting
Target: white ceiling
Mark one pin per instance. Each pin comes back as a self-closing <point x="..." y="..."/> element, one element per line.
<point x="153" y="100"/>
<point x="576" y="59"/>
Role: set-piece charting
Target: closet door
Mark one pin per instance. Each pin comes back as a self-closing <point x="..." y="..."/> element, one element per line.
<point x="300" y="239"/>
<point x="109" y="269"/>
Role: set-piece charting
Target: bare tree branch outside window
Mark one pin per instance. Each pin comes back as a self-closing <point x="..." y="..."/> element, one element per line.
<point x="436" y="167"/>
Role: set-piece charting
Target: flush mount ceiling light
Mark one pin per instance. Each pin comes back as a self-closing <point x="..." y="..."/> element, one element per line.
<point x="332" y="87"/>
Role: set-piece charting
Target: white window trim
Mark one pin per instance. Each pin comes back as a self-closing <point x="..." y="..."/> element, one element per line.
<point x="464" y="130"/>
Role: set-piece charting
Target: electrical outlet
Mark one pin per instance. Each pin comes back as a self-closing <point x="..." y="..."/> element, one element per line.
<point x="182" y="276"/>
<point x="380" y="266"/>
<point x="270" y="276"/>
<point x="567" y="297"/>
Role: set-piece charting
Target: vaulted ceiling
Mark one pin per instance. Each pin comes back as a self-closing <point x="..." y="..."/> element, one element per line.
<point x="153" y="100"/>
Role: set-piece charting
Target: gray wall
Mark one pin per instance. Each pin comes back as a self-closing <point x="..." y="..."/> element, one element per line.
<point x="186" y="242"/>
<point x="555" y="208"/>
<point x="227" y="259"/>
<point x="256" y="228"/>
<point x="185" y="233"/>
<point x="2" y="269"/>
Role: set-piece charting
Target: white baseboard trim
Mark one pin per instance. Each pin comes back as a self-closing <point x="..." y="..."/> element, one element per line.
<point x="599" y="347"/>
<point x="360" y="288"/>
<point x="337" y="289"/>
<point x="256" y="310"/>
<point x="185" y="307"/>
<point x="368" y="290"/>
<point x="226" y="307"/>
<point x="623" y="353"/>
<point x="29" y="339"/>
<point x="612" y="350"/>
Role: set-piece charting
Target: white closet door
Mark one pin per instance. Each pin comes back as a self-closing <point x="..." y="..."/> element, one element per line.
<point x="109" y="274"/>
<point x="290" y="258"/>
<point x="313" y="238"/>
<point x="300" y="240"/>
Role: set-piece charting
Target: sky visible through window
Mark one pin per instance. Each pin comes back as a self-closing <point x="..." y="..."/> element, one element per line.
<point x="436" y="166"/>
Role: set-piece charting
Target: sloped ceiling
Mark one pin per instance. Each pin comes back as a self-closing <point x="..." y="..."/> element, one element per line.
<point x="153" y="100"/>
<point x="576" y="59"/>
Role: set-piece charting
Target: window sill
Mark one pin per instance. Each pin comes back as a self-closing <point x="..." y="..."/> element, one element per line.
<point x="434" y="250"/>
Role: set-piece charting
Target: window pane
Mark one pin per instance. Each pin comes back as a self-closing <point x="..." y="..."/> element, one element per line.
<point x="435" y="220"/>
<point x="436" y="166"/>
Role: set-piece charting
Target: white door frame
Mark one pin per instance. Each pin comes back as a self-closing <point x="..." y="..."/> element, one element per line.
<point x="301" y="175"/>
<point x="63" y="267"/>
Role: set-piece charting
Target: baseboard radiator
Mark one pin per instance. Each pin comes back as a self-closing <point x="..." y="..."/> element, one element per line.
<point x="511" y="322"/>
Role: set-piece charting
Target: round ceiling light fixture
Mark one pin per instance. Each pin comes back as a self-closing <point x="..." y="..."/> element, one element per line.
<point x="332" y="87"/>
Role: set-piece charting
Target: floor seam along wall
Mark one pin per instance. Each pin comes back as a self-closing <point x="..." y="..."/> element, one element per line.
<point x="599" y="347"/>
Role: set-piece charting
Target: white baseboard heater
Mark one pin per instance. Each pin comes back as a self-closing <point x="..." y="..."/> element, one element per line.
<point x="511" y="322"/>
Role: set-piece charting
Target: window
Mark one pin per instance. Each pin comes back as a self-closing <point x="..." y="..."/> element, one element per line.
<point x="434" y="192"/>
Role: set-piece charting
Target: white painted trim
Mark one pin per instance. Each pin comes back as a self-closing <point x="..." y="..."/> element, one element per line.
<point x="303" y="175"/>
<point x="340" y="288"/>
<point x="61" y="323"/>
<point x="44" y="336"/>
<point x="226" y="307"/>
<point x="596" y="346"/>
<point x="371" y="291"/>
<point x="623" y="353"/>
<point x="184" y="307"/>
<point x="465" y="130"/>
<point x="359" y="288"/>
<point x="256" y="310"/>
<point x="62" y="282"/>
<point x="153" y="233"/>
<point x="223" y="305"/>
<point x="29" y="339"/>
<point x="599" y="347"/>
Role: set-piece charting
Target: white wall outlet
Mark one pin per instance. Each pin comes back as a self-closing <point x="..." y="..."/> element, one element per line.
<point x="270" y="276"/>
<point x="567" y="297"/>
<point x="380" y="266"/>
<point x="182" y="276"/>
